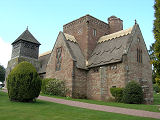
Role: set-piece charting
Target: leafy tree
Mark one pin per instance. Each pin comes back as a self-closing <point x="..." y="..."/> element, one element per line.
<point x="156" y="30"/>
<point x="2" y="73"/>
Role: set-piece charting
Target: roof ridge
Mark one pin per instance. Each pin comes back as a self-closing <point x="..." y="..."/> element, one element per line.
<point x="45" y="53"/>
<point x="115" y="35"/>
<point x="70" y="38"/>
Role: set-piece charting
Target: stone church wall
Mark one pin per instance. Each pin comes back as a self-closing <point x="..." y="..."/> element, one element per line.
<point x="79" y="83"/>
<point x="101" y="79"/>
<point x="140" y="72"/>
<point x="65" y="72"/>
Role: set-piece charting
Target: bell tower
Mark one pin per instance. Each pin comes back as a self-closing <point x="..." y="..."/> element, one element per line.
<point x="24" y="48"/>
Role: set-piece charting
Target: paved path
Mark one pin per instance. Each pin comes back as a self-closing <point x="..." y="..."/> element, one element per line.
<point x="133" y="112"/>
<point x="104" y="108"/>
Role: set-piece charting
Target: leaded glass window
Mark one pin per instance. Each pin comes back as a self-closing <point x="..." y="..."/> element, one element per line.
<point x="58" y="58"/>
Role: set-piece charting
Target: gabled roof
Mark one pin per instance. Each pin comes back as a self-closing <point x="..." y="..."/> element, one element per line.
<point x="115" y="35"/>
<point x="110" y="48"/>
<point x="43" y="60"/>
<point x="26" y="36"/>
<point x="75" y="51"/>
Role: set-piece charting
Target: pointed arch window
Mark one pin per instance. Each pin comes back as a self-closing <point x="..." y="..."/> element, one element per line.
<point x="139" y="55"/>
<point x="58" y="58"/>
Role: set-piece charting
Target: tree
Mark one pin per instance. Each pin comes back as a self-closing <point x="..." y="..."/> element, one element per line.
<point x="23" y="83"/>
<point x="153" y="58"/>
<point x="156" y="30"/>
<point x="2" y="73"/>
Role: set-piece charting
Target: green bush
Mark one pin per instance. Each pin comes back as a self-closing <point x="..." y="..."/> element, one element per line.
<point x="156" y="88"/>
<point x="117" y="93"/>
<point x="54" y="87"/>
<point x="44" y="83"/>
<point x="133" y="93"/>
<point x="23" y="83"/>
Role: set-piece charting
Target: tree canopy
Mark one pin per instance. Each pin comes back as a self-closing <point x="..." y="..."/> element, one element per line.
<point x="2" y="73"/>
<point x="156" y="30"/>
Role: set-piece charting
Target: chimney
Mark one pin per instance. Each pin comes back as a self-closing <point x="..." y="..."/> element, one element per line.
<point x="115" y="24"/>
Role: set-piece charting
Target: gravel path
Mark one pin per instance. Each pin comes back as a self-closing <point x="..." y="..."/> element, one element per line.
<point x="104" y="108"/>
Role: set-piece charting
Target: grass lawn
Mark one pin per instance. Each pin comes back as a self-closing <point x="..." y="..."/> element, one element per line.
<point x="42" y="110"/>
<point x="153" y="108"/>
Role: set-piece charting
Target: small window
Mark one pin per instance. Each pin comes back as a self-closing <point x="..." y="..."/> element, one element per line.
<point x="58" y="58"/>
<point x="113" y="86"/>
<point x="139" y="55"/>
<point x="94" y="32"/>
<point x="113" y="67"/>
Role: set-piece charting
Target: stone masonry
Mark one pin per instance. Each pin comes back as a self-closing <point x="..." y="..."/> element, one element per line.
<point x="91" y="56"/>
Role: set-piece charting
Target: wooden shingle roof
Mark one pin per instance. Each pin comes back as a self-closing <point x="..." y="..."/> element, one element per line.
<point x="26" y="36"/>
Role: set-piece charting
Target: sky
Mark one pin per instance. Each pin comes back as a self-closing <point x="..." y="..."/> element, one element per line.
<point x="45" y="18"/>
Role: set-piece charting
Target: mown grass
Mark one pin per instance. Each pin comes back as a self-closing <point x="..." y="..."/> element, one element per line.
<point x="42" y="110"/>
<point x="152" y="108"/>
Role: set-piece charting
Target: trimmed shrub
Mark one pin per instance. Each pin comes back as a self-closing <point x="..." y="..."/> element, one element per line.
<point x="54" y="87"/>
<point x="156" y="88"/>
<point x="133" y="93"/>
<point x="117" y="93"/>
<point x="23" y="83"/>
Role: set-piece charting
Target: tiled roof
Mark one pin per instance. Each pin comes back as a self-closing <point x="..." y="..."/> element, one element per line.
<point x="27" y="36"/>
<point x="75" y="51"/>
<point x="110" y="48"/>
<point x="115" y="35"/>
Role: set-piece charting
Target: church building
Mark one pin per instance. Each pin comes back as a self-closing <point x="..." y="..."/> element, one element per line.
<point x="91" y="56"/>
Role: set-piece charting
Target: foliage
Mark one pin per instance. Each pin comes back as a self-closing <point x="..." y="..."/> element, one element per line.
<point x="156" y="30"/>
<point x="117" y="93"/>
<point x="156" y="99"/>
<point x="54" y="87"/>
<point x="156" y="88"/>
<point x="2" y="73"/>
<point x="157" y="81"/>
<point x="44" y="84"/>
<point x="152" y="58"/>
<point x="133" y="93"/>
<point x="23" y="83"/>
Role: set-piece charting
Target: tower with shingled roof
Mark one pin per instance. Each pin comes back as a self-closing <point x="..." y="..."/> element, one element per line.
<point x="24" y="48"/>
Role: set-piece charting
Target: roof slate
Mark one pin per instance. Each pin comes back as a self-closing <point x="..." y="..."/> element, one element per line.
<point x="27" y="36"/>
<point x="109" y="51"/>
<point x="110" y="48"/>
